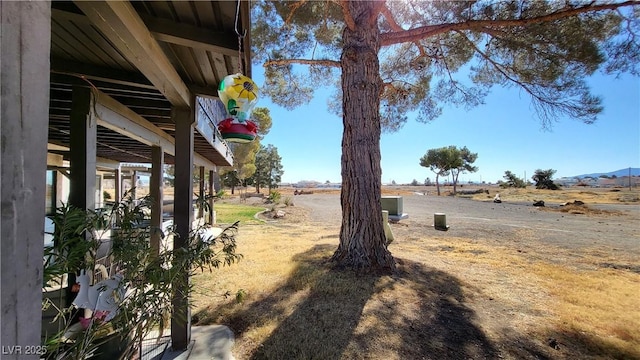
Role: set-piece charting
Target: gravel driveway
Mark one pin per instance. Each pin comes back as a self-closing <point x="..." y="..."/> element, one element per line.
<point x="504" y="223"/>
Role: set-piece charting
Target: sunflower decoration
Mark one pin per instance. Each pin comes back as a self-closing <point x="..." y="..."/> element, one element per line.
<point x="239" y="95"/>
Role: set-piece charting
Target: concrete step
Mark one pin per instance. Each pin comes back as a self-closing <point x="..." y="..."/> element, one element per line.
<point x="212" y="342"/>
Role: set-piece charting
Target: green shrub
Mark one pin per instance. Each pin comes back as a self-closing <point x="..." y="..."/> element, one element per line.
<point x="274" y="196"/>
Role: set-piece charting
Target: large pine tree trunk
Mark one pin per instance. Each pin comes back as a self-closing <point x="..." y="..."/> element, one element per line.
<point x="362" y="239"/>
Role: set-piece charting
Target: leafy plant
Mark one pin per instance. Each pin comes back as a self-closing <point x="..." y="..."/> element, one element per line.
<point x="274" y="196"/>
<point x="149" y="279"/>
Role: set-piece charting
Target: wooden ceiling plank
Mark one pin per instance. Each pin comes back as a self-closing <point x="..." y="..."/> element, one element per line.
<point x="100" y="42"/>
<point x="191" y="36"/>
<point x="205" y="14"/>
<point x="162" y="9"/>
<point x="219" y="66"/>
<point x="121" y="24"/>
<point x="66" y="46"/>
<point x="206" y="67"/>
<point x="84" y="33"/>
<point x="184" y="12"/>
<point x="187" y="58"/>
<point x="75" y="39"/>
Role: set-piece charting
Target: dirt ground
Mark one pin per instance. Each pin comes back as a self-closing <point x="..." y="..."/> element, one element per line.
<point x="500" y="255"/>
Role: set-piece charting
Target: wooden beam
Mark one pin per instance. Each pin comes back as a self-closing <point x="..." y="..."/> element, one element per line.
<point x="120" y="23"/>
<point x="119" y="118"/>
<point x="192" y="36"/>
<point x="93" y="72"/>
<point x="183" y="217"/>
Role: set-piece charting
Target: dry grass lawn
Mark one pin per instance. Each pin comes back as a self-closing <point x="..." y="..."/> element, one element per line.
<point x="451" y="298"/>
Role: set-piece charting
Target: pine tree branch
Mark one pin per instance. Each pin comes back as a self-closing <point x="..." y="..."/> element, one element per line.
<point x="294" y="7"/>
<point x="332" y="63"/>
<point x="545" y="105"/>
<point x="348" y="18"/>
<point x="384" y="10"/>
<point x="482" y="25"/>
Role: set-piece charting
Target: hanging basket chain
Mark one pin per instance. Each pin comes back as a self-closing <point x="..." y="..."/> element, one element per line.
<point x="240" y="37"/>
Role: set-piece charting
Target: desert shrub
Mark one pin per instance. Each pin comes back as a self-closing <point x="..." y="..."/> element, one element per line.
<point x="274" y="196"/>
<point x="288" y="201"/>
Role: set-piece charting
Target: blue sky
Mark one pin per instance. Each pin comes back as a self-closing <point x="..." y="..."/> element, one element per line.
<point x="504" y="132"/>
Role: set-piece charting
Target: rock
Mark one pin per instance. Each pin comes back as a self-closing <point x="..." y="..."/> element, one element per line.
<point x="279" y="214"/>
<point x="538" y="203"/>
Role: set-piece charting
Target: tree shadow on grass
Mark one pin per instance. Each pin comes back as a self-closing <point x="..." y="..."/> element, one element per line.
<point x="324" y="313"/>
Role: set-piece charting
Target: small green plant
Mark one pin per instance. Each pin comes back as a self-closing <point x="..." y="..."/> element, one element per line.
<point x="274" y="196"/>
<point x="221" y="194"/>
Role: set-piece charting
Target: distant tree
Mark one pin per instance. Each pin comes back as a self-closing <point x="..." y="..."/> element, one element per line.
<point x="230" y="179"/>
<point x="414" y="182"/>
<point x="427" y="182"/>
<point x="542" y="178"/>
<point x="169" y="175"/>
<point x="268" y="168"/>
<point x="244" y="154"/>
<point x="440" y="161"/>
<point x="512" y="180"/>
<point x="466" y="159"/>
<point x="393" y="182"/>
<point x="262" y="118"/>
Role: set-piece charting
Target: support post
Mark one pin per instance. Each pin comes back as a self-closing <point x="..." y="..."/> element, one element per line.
<point x="118" y="183"/>
<point x="212" y="213"/>
<point x="83" y="142"/>
<point x="201" y="193"/>
<point x="183" y="217"/>
<point x="134" y="182"/>
<point x="155" y="191"/>
<point x="83" y="139"/>
<point x="24" y="79"/>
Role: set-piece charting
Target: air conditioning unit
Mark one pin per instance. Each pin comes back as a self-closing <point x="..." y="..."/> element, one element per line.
<point x="393" y="204"/>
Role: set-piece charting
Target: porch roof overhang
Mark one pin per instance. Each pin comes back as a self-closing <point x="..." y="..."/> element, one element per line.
<point x="142" y="59"/>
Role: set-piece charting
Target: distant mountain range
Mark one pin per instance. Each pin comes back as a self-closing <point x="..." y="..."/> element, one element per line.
<point x="617" y="173"/>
